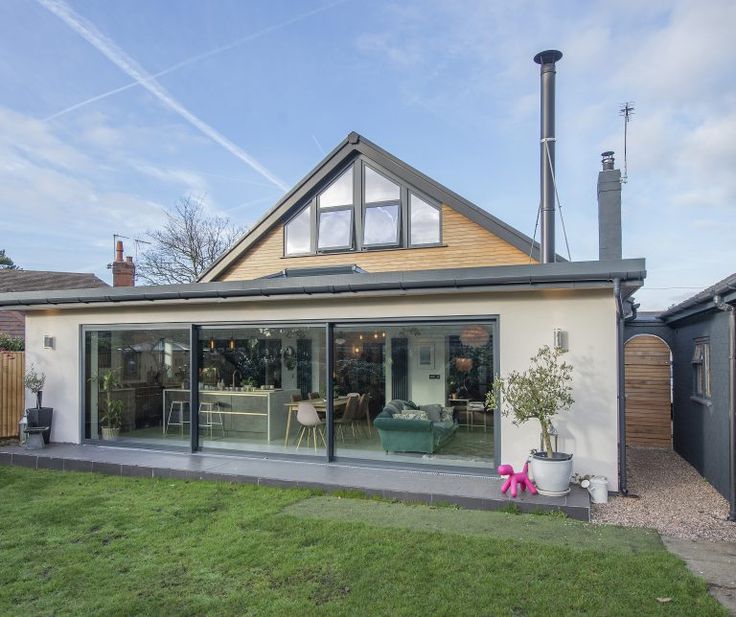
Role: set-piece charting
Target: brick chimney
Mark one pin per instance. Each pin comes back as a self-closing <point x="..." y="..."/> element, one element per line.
<point x="123" y="270"/>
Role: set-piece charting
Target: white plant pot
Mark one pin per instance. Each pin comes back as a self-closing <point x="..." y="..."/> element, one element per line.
<point x="110" y="434"/>
<point x="552" y="476"/>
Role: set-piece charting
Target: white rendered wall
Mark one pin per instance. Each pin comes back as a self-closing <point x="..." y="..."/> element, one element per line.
<point x="526" y="321"/>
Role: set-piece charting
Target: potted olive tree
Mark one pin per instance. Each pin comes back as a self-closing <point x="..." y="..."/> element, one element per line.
<point x="38" y="415"/>
<point x="112" y="417"/>
<point x="540" y="393"/>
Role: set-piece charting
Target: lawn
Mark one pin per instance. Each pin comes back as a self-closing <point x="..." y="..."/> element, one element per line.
<point x="87" y="544"/>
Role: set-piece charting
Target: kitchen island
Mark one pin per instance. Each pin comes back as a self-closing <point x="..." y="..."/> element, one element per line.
<point x="240" y="411"/>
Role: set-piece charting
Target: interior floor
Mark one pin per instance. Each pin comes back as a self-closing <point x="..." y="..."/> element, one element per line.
<point x="469" y="446"/>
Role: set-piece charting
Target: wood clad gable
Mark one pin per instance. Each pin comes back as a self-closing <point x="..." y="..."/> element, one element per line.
<point x="469" y="235"/>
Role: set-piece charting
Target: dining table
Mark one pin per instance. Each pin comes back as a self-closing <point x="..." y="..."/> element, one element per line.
<point x="320" y="405"/>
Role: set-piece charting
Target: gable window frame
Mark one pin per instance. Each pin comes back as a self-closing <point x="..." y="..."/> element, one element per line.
<point x="430" y="202"/>
<point x="351" y="240"/>
<point x="311" y="205"/>
<point x="702" y="374"/>
<point x="359" y="208"/>
<point x="366" y="205"/>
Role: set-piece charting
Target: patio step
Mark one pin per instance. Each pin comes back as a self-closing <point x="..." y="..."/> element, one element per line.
<point x="472" y="491"/>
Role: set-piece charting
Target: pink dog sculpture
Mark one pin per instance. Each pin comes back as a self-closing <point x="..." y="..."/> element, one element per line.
<point x="519" y="478"/>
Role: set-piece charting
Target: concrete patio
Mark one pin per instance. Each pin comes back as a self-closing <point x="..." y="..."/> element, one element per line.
<point x="477" y="492"/>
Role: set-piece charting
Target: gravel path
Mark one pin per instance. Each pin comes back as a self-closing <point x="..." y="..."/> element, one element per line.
<point x="673" y="498"/>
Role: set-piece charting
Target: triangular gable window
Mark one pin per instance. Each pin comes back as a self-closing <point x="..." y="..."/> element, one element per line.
<point x="363" y="208"/>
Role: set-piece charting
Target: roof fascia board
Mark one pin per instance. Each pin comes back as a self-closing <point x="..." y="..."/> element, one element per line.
<point x="630" y="271"/>
<point x="704" y="305"/>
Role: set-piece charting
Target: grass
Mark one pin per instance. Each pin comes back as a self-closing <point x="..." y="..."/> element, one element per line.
<point x="86" y="544"/>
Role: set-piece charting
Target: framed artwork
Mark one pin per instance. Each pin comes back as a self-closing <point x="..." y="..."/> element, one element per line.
<point x="425" y="357"/>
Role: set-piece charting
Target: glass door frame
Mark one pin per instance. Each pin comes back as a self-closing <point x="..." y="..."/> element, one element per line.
<point x="329" y="327"/>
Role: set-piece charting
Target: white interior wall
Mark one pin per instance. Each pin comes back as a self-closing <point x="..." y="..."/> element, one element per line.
<point x="422" y="389"/>
<point x="526" y="321"/>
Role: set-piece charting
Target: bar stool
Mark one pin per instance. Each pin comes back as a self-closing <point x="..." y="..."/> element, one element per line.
<point x="178" y="408"/>
<point x="210" y="413"/>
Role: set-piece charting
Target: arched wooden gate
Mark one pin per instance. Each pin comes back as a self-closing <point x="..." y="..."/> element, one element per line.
<point x="648" y="392"/>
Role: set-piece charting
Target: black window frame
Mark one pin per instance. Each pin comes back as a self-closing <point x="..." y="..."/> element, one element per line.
<point x="432" y="204"/>
<point x="702" y="370"/>
<point x="312" y="236"/>
<point x="341" y="248"/>
<point x="359" y="208"/>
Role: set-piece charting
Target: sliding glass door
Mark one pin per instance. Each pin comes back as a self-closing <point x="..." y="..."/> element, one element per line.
<point x="415" y="392"/>
<point x="400" y="392"/>
<point x="263" y="389"/>
<point x="128" y="375"/>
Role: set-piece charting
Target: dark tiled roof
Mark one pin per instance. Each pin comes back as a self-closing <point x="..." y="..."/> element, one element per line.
<point x="13" y="323"/>
<point x="720" y="288"/>
<point x="37" y="280"/>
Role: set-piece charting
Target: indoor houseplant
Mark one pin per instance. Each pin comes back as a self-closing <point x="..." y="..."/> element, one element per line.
<point x="112" y="419"/>
<point x="38" y="415"/>
<point x="540" y="393"/>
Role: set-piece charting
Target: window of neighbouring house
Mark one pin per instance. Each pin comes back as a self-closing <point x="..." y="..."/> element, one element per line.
<point x="298" y="232"/>
<point x="701" y="369"/>
<point x="424" y="222"/>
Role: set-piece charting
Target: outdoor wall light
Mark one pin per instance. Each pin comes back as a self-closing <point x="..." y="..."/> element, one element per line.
<point x="49" y="342"/>
<point x="560" y="340"/>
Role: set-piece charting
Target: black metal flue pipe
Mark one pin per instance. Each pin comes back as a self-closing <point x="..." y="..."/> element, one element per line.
<point x="547" y="60"/>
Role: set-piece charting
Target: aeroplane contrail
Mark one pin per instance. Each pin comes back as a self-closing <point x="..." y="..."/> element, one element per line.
<point x="197" y="58"/>
<point x="128" y="65"/>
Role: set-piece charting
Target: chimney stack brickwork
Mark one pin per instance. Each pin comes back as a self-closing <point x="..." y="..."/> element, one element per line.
<point x="609" y="210"/>
<point x="123" y="269"/>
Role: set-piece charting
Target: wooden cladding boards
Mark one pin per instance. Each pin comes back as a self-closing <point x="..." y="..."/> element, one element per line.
<point x="465" y="244"/>
<point x="648" y="392"/>
<point x="12" y="391"/>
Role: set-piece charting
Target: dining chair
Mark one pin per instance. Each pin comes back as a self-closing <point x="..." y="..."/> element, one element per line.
<point x="295" y="398"/>
<point x="364" y="411"/>
<point x="350" y="415"/>
<point x="314" y="395"/>
<point x="311" y="423"/>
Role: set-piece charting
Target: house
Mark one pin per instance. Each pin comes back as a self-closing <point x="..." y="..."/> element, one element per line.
<point x="369" y="278"/>
<point x="698" y="335"/>
<point x="12" y="323"/>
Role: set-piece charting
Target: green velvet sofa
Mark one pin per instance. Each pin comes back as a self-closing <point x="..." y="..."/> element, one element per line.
<point x="415" y="435"/>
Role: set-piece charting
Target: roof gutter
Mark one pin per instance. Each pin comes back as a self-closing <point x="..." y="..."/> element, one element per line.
<point x="558" y="274"/>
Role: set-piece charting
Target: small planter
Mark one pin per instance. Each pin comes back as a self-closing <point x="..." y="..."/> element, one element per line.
<point x="110" y="434"/>
<point x="41" y="416"/>
<point x="552" y="475"/>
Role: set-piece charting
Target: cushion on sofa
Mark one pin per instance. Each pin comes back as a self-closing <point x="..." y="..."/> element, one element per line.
<point x="411" y="414"/>
<point x="434" y="412"/>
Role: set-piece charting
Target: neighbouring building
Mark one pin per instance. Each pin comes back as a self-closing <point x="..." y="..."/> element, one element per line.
<point x="12" y="323"/>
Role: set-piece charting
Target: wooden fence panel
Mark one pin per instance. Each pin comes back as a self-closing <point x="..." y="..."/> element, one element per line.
<point x="12" y="392"/>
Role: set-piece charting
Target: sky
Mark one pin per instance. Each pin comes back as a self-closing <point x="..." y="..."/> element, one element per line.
<point x="112" y="111"/>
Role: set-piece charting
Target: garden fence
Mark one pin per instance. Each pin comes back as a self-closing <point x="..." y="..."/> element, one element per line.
<point x="12" y="364"/>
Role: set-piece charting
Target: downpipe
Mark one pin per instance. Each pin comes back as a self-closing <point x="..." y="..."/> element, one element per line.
<point x="621" y="397"/>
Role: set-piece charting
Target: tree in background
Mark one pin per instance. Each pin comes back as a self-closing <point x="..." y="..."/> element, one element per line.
<point x="5" y="262"/>
<point x="187" y="244"/>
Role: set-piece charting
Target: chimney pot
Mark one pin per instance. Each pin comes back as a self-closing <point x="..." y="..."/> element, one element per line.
<point x="608" y="161"/>
<point x="123" y="270"/>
